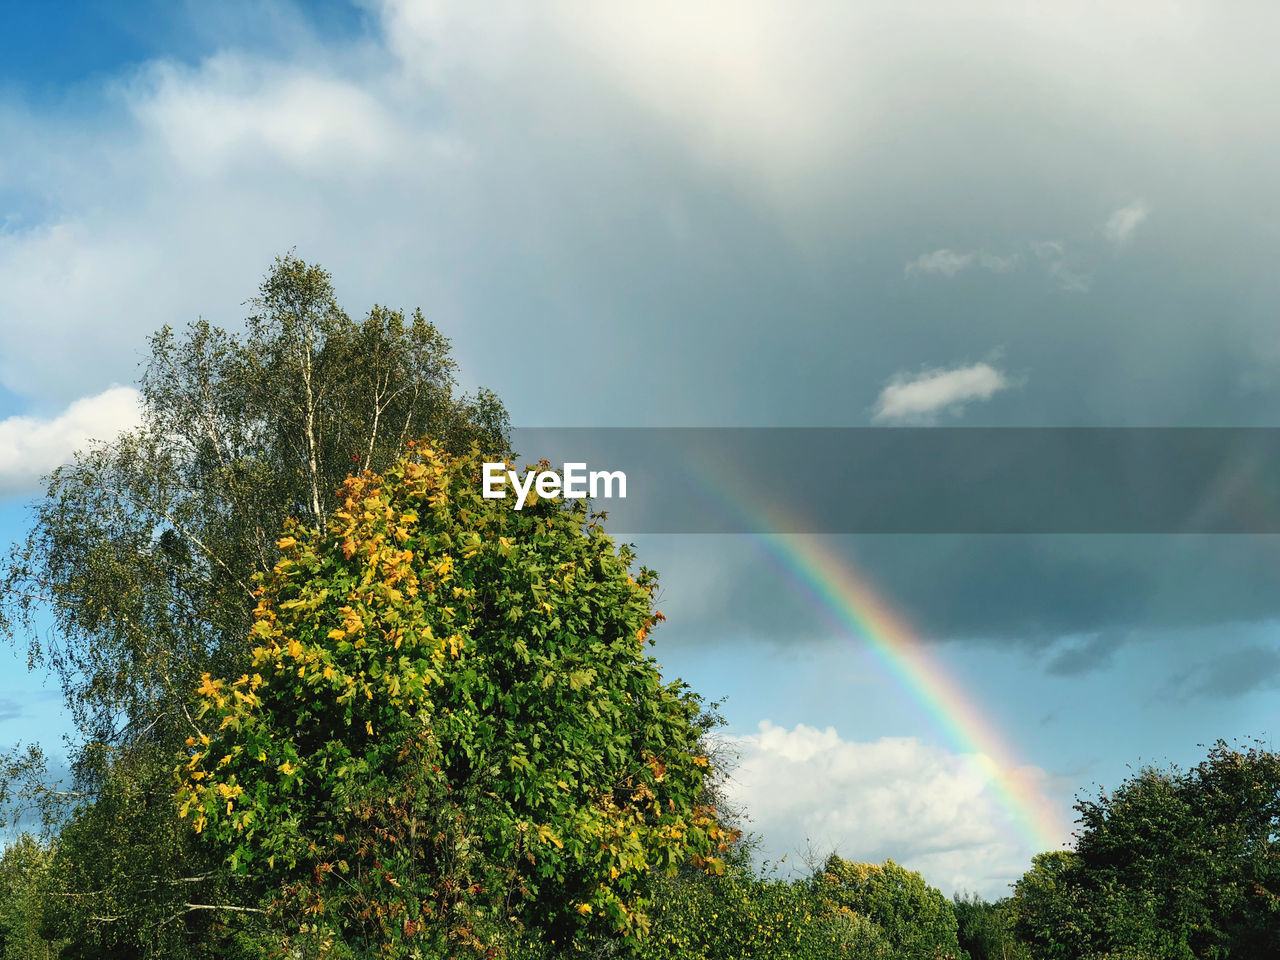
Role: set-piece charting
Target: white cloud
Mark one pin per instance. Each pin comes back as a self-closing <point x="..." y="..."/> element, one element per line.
<point x="919" y="398"/>
<point x="1122" y="224"/>
<point x="945" y="263"/>
<point x="233" y="108"/>
<point x="948" y="263"/>
<point x="31" y="447"/>
<point x="929" y="809"/>
<point x="1068" y="278"/>
<point x="997" y="264"/>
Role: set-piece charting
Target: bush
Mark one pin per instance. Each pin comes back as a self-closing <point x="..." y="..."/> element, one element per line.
<point x="916" y="919"/>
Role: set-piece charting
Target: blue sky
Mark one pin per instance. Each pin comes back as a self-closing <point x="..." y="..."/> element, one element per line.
<point x="677" y="214"/>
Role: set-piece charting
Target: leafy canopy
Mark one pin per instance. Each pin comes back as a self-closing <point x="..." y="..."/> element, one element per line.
<point x="1171" y="863"/>
<point x="916" y="920"/>
<point x="143" y="551"/>
<point x="448" y="727"/>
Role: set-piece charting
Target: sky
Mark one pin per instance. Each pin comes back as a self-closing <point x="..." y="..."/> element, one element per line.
<point x="728" y="214"/>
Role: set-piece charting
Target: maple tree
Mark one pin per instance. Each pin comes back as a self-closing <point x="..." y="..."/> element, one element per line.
<point x="449" y="729"/>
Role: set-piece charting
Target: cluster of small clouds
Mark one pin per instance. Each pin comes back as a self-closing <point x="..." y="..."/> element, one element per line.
<point x="32" y="447"/>
<point x="919" y="399"/>
<point x="811" y="791"/>
<point x="1119" y="231"/>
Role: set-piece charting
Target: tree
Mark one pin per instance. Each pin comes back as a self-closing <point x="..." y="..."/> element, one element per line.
<point x="1047" y="907"/>
<point x="137" y="576"/>
<point x="741" y="915"/>
<point x="986" y="929"/>
<point x="915" y="918"/>
<point x="131" y="884"/>
<point x="1171" y="864"/>
<point x="448" y="728"/>
<point x="26" y="889"/>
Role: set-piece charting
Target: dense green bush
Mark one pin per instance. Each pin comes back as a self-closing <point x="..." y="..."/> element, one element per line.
<point x="916" y="919"/>
<point x="741" y="916"/>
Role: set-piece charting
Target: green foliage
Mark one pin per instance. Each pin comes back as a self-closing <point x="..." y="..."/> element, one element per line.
<point x="137" y="576"/>
<point x="133" y="883"/>
<point x="144" y="550"/>
<point x="1047" y="908"/>
<point x="1171" y="864"/>
<point x="986" y="929"/>
<point x="915" y="918"/>
<point x="27" y="888"/>
<point x="448" y="728"/>
<point x="738" y="916"/>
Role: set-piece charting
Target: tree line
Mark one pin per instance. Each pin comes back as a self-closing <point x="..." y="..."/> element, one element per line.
<point x="331" y="702"/>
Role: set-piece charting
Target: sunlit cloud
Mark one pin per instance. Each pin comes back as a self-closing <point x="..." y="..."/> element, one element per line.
<point x="31" y="447"/>
<point x="813" y="790"/>
<point x="920" y="398"/>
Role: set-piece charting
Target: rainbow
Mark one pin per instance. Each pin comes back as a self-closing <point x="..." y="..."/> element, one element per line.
<point x="858" y="608"/>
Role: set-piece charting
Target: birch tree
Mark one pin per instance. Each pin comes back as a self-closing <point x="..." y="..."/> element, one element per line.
<point x="136" y="577"/>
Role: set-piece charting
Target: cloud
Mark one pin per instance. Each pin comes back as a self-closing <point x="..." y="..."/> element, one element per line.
<point x="1230" y="674"/>
<point x="1044" y="594"/>
<point x="1123" y="223"/>
<point x="689" y="171"/>
<point x="1051" y="253"/>
<point x="929" y="809"/>
<point x="233" y="107"/>
<point x="948" y="263"/>
<point x="918" y="399"/>
<point x="1085" y="656"/>
<point x="1068" y="278"/>
<point x="945" y="263"/>
<point x="997" y="264"/>
<point x="1065" y="275"/>
<point x="31" y="447"/>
